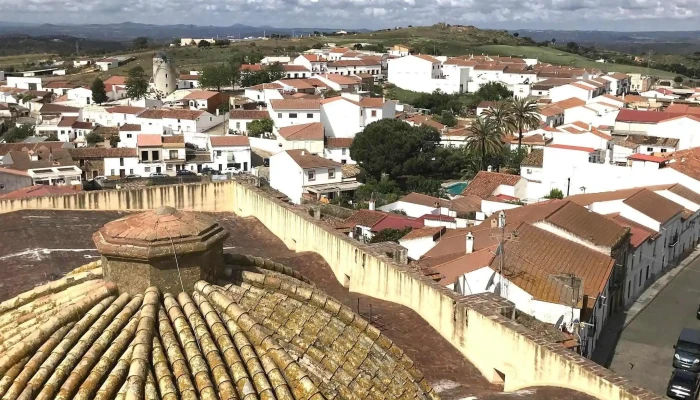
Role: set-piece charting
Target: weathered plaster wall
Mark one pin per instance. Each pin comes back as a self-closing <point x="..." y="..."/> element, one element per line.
<point x="475" y="325"/>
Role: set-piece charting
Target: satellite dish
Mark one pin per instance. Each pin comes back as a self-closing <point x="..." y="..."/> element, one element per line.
<point x="497" y="289"/>
<point x="491" y="279"/>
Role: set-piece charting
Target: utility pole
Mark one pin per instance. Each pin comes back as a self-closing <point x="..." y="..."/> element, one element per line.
<point x="502" y="251"/>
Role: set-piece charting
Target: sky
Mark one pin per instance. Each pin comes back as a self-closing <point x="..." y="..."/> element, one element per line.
<point x="618" y="15"/>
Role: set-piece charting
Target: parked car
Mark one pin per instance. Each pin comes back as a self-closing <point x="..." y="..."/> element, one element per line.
<point x="231" y="170"/>
<point x="687" y="350"/>
<point x="209" y="171"/>
<point x="683" y="385"/>
<point x="185" y="172"/>
<point x="133" y="176"/>
<point x="99" y="178"/>
<point x="158" y="175"/>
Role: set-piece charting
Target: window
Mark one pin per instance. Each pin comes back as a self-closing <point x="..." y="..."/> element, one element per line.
<point x="218" y="153"/>
<point x="128" y="135"/>
<point x="147" y="169"/>
<point x="292" y="115"/>
<point x="131" y="171"/>
<point x="279" y="115"/>
<point x="650" y="149"/>
<point x="629" y="288"/>
<point x="238" y="125"/>
<point x="640" y="278"/>
<point x="121" y="162"/>
<point x="173" y="154"/>
<point x="156" y="155"/>
<point x="343" y="151"/>
<point x="664" y="150"/>
<point x="331" y="173"/>
<point x="647" y="277"/>
<point x="309" y="115"/>
<point x="374" y="113"/>
<point x="311" y="175"/>
<point x="178" y="120"/>
<point x="112" y="172"/>
<point x="166" y="75"/>
<point x="144" y="155"/>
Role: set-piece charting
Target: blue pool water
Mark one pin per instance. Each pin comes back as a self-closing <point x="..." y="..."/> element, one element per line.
<point x="457" y="188"/>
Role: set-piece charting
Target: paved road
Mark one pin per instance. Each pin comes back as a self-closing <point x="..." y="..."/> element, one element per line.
<point x="644" y="352"/>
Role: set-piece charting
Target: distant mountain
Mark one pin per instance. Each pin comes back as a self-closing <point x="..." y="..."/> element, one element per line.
<point x="129" y="30"/>
<point x="611" y="37"/>
<point x="14" y="44"/>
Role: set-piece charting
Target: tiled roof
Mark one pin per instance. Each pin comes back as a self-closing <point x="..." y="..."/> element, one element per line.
<point x="551" y="110"/>
<point x="229" y="140"/>
<point x="51" y="108"/>
<point x="489" y="67"/>
<point x="427" y="58"/>
<point x="484" y="183"/>
<point x="248" y="114"/>
<point x="314" y="57"/>
<point x="569" y="103"/>
<point x="48" y="158"/>
<point x="149" y="140"/>
<point x="643" y="117"/>
<point x="342" y="79"/>
<point x="466" y="204"/>
<point x="67" y="121"/>
<point x="460" y="62"/>
<point x="653" y="140"/>
<point x="541" y="263"/>
<point x="171" y="113"/>
<point x="59" y="85"/>
<point x="587" y="225"/>
<point x="38" y="191"/>
<point x="8" y="147"/>
<point x="451" y="270"/>
<point x="116" y="80"/>
<point x="306" y="160"/>
<point x="638" y="233"/>
<point x="293" y="68"/>
<point x="311" y="131"/>
<point x="201" y="95"/>
<point x="420" y="119"/>
<point x="396" y="221"/>
<point x="425" y="200"/>
<point x="647" y="157"/>
<point x="366" y="218"/>
<point x="653" y="205"/>
<point x="296" y="104"/>
<point x="685" y="193"/>
<point x="173" y="139"/>
<point x="299" y="84"/>
<point x="534" y="159"/>
<point x="587" y="199"/>
<point x="676" y="108"/>
<point x="86" y="338"/>
<point x="574" y="148"/>
<point x="271" y="85"/>
<point x="338" y="143"/>
<point x="130" y="128"/>
<point x="102" y="152"/>
<point x="126" y="110"/>
<point x="426" y="231"/>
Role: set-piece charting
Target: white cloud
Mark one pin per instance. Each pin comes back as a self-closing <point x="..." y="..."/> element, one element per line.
<point x="543" y="14"/>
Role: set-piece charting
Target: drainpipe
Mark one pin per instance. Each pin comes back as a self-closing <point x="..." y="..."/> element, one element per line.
<point x="568" y="185"/>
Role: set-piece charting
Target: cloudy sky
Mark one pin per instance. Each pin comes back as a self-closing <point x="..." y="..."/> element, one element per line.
<point x="628" y="15"/>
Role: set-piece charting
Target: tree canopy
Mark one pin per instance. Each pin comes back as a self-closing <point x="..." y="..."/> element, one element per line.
<point x="93" y="138"/>
<point x="136" y="83"/>
<point x="18" y="133"/>
<point x="260" y="127"/>
<point x="140" y="42"/>
<point x="484" y="140"/>
<point x="268" y="74"/>
<point x="99" y="94"/>
<point x="393" y="147"/>
<point x="493" y="91"/>
<point x="389" y="235"/>
<point x="203" y="43"/>
<point x="215" y="76"/>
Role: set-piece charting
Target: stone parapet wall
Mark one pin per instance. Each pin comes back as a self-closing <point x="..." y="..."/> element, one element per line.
<point x="476" y="325"/>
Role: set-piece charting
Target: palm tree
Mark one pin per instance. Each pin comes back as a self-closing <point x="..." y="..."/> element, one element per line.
<point x="484" y="139"/>
<point x="501" y="117"/>
<point x="525" y="116"/>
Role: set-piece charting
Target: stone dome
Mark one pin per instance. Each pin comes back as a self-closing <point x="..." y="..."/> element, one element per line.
<point x="261" y="332"/>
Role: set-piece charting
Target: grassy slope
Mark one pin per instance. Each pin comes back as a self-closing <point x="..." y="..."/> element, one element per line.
<point x="555" y="56"/>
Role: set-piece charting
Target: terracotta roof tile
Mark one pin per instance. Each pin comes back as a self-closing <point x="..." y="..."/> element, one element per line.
<point x="426" y="231"/>
<point x="149" y="140"/>
<point x="427" y="58"/>
<point x="638" y="233"/>
<point x="312" y="131"/>
<point x="653" y="205"/>
<point x="201" y="95"/>
<point x="534" y="159"/>
<point x="306" y="160"/>
<point x="229" y="140"/>
<point x="38" y="191"/>
<point x="425" y="200"/>
<point x="338" y="143"/>
<point x="126" y="110"/>
<point x="685" y="193"/>
<point x="484" y="183"/>
<point x="296" y="104"/>
<point x="102" y="152"/>
<point x="248" y="114"/>
<point x="130" y="128"/>
<point x="365" y="218"/>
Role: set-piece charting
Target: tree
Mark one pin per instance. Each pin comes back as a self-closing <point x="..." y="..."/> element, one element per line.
<point x="93" y="138"/>
<point x="136" y="83"/>
<point x="525" y="114"/>
<point x="357" y="46"/>
<point x="221" y="42"/>
<point x="275" y="71"/>
<point x="330" y="93"/>
<point x="214" y="76"/>
<point x="114" y="141"/>
<point x="421" y="184"/>
<point x="501" y="117"/>
<point x="447" y="118"/>
<point x="393" y="147"/>
<point x="484" y="140"/>
<point x="140" y="42"/>
<point x="99" y="94"/>
<point x="260" y="127"/>
<point x="317" y="46"/>
<point x="555" y="194"/>
<point x="572" y="46"/>
<point x="493" y="91"/>
<point x="516" y="34"/>
<point x="678" y="79"/>
<point x="203" y="43"/>
<point x="390" y="235"/>
<point x="19" y="133"/>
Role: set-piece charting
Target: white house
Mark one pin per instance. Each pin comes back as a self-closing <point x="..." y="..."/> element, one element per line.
<point x="239" y="119"/>
<point x="83" y="62"/>
<point x="106" y="64"/>
<point x="579" y="90"/>
<point x="346" y="115"/>
<point x="685" y="128"/>
<point x="81" y="96"/>
<point x="619" y="83"/>
<point x="128" y="134"/>
<point x="315" y="63"/>
<point x="338" y="150"/>
<point x="339" y="82"/>
<point x="189" y="81"/>
<point x="299" y="174"/>
<point x="120" y="162"/>
<point x="230" y="151"/>
<point x="415" y="72"/>
<point x="275" y="59"/>
<point x="286" y="112"/>
<point x="660" y="93"/>
<point x="582" y="135"/>
<point x="22" y="82"/>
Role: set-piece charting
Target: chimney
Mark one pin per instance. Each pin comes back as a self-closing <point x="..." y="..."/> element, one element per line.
<point x="217" y="112"/>
<point x="494" y="223"/>
<point x="303" y="153"/>
<point x="470" y="243"/>
<point x="590" y="127"/>
<point x="371" y="205"/>
<point x="489" y="169"/>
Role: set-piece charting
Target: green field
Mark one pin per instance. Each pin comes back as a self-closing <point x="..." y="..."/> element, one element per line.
<point x="555" y="56"/>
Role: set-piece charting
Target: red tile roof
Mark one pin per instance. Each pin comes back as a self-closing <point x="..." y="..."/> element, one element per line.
<point x="484" y="183"/>
<point x="654" y="205"/>
<point x="37" y="191"/>
<point x="638" y="233"/>
<point x="149" y="140"/>
<point x="338" y="143"/>
<point x="646" y="157"/>
<point x="312" y="131"/>
<point x="229" y="140"/>
<point x="201" y="95"/>
<point x="643" y="117"/>
<point x="306" y="160"/>
<point x="567" y="147"/>
<point x="126" y="110"/>
<point x="248" y="114"/>
<point x="396" y="221"/>
<point x="296" y="104"/>
<point x="130" y="128"/>
<point x="426" y="231"/>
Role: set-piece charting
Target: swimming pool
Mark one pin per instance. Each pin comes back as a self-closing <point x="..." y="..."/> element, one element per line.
<point x="456" y="189"/>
